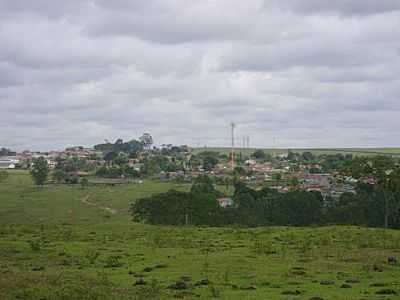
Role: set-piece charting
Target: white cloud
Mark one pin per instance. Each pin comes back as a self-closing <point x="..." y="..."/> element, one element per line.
<point x="309" y="73"/>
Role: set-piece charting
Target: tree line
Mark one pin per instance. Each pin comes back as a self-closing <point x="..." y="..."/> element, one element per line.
<point x="266" y="206"/>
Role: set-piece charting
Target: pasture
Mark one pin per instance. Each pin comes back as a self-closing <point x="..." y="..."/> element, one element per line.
<point x="316" y="151"/>
<point x="69" y="242"/>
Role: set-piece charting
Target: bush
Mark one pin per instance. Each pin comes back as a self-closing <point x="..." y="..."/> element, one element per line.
<point x="73" y="180"/>
<point x="113" y="262"/>
<point x="36" y="245"/>
<point x="60" y="176"/>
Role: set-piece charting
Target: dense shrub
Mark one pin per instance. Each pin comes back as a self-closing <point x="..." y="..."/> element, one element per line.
<point x="266" y="207"/>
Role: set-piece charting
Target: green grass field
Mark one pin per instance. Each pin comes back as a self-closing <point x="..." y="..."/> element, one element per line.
<point x="66" y="242"/>
<point x="315" y="151"/>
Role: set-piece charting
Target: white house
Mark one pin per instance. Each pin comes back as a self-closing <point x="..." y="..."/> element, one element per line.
<point x="8" y="162"/>
<point x="225" y="202"/>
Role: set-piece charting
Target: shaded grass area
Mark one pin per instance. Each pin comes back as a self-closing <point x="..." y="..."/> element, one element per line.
<point x="45" y="253"/>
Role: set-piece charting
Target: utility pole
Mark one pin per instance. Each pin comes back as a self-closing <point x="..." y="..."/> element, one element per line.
<point x="233" y="125"/>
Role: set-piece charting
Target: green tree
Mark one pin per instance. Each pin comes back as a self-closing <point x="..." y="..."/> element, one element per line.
<point x="202" y="208"/>
<point x="389" y="185"/>
<point x="259" y="154"/>
<point x="194" y="162"/>
<point x="60" y="176"/>
<point x="203" y="184"/>
<point x="130" y="172"/>
<point x="294" y="183"/>
<point x="166" y="208"/>
<point x="308" y="156"/>
<point x="73" y="180"/>
<point x="130" y="147"/>
<point x="39" y="171"/>
<point x="293" y="156"/>
<point x="209" y="162"/>
<point x="120" y="160"/>
<point x="109" y="172"/>
<point x="110" y="156"/>
<point x="239" y="171"/>
<point x="150" y="167"/>
<point x="386" y="190"/>
<point x="277" y="177"/>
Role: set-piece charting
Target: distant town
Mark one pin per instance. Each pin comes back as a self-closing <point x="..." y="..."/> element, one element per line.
<point x="136" y="160"/>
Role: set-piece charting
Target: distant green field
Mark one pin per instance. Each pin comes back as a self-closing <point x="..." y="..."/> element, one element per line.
<point x="23" y="203"/>
<point x="66" y="242"/>
<point x="315" y="151"/>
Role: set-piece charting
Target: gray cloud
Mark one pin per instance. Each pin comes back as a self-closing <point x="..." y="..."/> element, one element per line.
<point x="172" y="21"/>
<point x="307" y="73"/>
<point x="342" y="7"/>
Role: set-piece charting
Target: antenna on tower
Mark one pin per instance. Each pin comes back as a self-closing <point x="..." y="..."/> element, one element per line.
<point x="248" y="142"/>
<point x="233" y="125"/>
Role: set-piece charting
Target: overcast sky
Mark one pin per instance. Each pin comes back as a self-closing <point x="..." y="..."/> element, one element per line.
<point x="310" y="73"/>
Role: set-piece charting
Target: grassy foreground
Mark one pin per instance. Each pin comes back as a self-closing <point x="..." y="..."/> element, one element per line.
<point x="65" y="242"/>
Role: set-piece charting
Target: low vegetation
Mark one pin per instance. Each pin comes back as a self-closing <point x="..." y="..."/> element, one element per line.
<point x="371" y="205"/>
<point x="62" y="242"/>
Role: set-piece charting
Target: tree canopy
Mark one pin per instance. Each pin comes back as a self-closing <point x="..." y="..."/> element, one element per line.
<point x="39" y="171"/>
<point x="133" y="146"/>
<point x="267" y="206"/>
<point x="259" y="154"/>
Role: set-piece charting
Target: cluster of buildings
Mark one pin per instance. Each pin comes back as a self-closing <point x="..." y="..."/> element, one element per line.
<point x="9" y="162"/>
<point x="24" y="159"/>
<point x="280" y="174"/>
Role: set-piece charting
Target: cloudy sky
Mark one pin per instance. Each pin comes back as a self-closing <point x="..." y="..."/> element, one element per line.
<point x="310" y="73"/>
